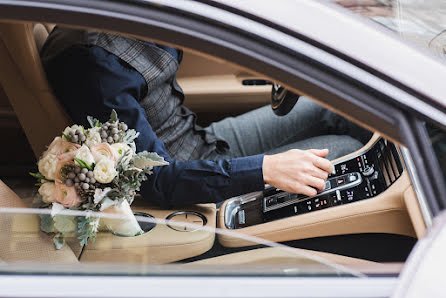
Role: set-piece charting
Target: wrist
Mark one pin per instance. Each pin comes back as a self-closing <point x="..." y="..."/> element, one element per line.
<point x="266" y="168"/>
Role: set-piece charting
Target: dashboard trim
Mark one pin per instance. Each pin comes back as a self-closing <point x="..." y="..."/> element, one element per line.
<point x="298" y="200"/>
<point x="421" y="198"/>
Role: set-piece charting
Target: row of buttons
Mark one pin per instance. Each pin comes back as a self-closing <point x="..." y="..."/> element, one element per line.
<point x="325" y="201"/>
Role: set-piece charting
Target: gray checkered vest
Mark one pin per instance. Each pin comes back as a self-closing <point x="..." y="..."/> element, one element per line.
<point x="171" y="121"/>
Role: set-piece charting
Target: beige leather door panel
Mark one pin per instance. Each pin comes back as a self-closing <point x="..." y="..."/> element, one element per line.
<point x="213" y="85"/>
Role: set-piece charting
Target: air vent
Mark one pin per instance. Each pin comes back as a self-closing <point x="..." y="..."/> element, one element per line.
<point x="389" y="161"/>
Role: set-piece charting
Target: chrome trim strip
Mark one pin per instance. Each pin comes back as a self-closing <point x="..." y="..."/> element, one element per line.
<point x="427" y="215"/>
<point x="233" y="206"/>
<point x="333" y="189"/>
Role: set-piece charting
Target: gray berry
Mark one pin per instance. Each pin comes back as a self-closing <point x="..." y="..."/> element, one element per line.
<point x="87" y="180"/>
<point x="71" y="133"/>
<point x="103" y="134"/>
<point x="92" y="180"/>
<point x="81" y="176"/>
<point x="90" y="174"/>
<point x="71" y="175"/>
<point x="82" y="138"/>
<point x="104" y="127"/>
<point x="85" y="186"/>
<point x="74" y="139"/>
<point x="104" y="140"/>
<point x="78" y="131"/>
<point x="76" y="180"/>
<point x="109" y="139"/>
<point x="116" y="137"/>
<point x="77" y="170"/>
<point x="114" y="130"/>
<point x="69" y="182"/>
<point x="124" y="127"/>
<point x="84" y="171"/>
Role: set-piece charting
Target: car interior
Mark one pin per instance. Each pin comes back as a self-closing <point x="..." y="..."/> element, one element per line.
<point x="367" y="216"/>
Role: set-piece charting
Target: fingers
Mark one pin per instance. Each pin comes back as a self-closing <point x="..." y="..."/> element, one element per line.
<point x="319" y="152"/>
<point x="318" y="173"/>
<point x="307" y="190"/>
<point x="315" y="182"/>
<point x="323" y="164"/>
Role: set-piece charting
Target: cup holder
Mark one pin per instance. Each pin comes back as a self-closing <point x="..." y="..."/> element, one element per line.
<point x="145" y="226"/>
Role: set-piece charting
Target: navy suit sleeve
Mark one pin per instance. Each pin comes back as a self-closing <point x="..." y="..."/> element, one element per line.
<point x="91" y="81"/>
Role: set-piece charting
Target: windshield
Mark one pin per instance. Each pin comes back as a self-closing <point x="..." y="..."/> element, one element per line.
<point x="420" y="22"/>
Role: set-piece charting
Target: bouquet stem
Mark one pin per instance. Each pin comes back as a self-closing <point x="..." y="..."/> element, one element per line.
<point x="126" y="224"/>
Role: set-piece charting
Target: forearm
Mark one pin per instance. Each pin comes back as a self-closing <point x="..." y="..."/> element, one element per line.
<point x="201" y="181"/>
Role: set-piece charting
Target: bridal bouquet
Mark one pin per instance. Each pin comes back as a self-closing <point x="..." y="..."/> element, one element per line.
<point x="95" y="169"/>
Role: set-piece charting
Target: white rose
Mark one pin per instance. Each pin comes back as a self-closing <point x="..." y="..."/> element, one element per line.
<point x="47" y="165"/>
<point x="84" y="154"/>
<point x="47" y="192"/>
<point x="120" y="149"/>
<point x="104" y="171"/>
<point x="93" y="137"/>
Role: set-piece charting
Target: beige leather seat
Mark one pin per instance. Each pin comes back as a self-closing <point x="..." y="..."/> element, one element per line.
<point x="24" y="81"/>
<point x="20" y="235"/>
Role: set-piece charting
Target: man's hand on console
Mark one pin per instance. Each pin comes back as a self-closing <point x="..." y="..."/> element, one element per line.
<point x="297" y="171"/>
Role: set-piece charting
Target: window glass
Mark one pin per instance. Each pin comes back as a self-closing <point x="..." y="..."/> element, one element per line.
<point x="420" y="22"/>
<point x="250" y="234"/>
<point x="26" y="249"/>
<point x="437" y="137"/>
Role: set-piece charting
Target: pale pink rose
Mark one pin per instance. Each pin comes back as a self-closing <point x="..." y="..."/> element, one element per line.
<point x="103" y="150"/>
<point x="60" y="146"/>
<point x="62" y="160"/>
<point x="67" y="195"/>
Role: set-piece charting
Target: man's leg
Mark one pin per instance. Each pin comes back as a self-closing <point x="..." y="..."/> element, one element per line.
<point x="261" y="131"/>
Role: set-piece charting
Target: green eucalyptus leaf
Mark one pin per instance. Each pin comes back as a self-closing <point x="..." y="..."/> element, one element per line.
<point x="113" y="116"/>
<point x="129" y="137"/>
<point x="65" y="224"/>
<point x="146" y="159"/>
<point x="87" y="227"/>
<point x="93" y="121"/>
<point x="46" y="223"/>
<point x="58" y="241"/>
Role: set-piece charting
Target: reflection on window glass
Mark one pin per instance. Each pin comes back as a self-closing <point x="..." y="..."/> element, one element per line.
<point x="420" y="22"/>
<point x="181" y="241"/>
<point x="26" y="248"/>
<point x="437" y="137"/>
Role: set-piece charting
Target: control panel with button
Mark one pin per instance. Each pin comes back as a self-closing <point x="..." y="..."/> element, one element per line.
<point x="333" y="184"/>
<point x="352" y="180"/>
<point x="362" y="177"/>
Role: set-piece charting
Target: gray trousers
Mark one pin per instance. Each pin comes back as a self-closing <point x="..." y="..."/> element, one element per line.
<point x="307" y="126"/>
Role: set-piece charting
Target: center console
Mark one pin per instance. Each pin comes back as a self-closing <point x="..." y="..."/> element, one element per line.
<point x="360" y="177"/>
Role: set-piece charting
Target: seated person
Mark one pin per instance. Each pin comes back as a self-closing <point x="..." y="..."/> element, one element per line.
<point x="93" y="72"/>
